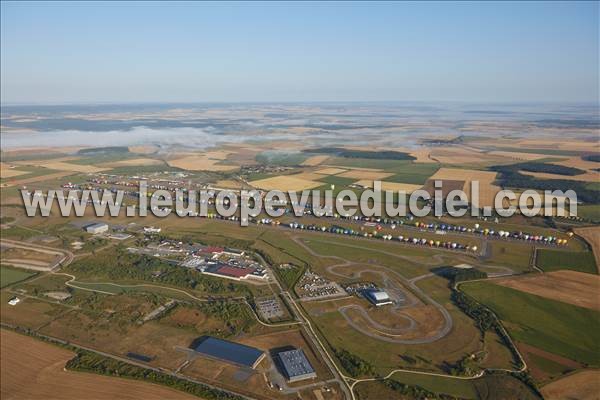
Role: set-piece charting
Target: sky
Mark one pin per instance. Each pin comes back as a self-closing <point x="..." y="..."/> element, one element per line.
<point x="94" y="52"/>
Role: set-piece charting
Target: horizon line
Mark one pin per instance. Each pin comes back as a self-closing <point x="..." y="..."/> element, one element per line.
<point x="206" y="102"/>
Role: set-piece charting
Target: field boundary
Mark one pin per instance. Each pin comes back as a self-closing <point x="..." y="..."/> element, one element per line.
<point x="75" y="347"/>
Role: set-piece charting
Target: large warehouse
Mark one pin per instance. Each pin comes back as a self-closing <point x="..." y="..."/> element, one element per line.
<point x="295" y="365"/>
<point x="96" y="228"/>
<point x="231" y="352"/>
<point x="378" y="297"/>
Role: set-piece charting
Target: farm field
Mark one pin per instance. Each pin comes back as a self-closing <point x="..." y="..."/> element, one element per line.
<point x="590" y="176"/>
<point x="455" y="178"/>
<point x="590" y="212"/>
<point x="570" y="287"/>
<point x="330" y="171"/>
<point x="491" y="387"/>
<point x="137" y="162"/>
<point x="211" y="161"/>
<point x="553" y="260"/>
<point x="9" y="275"/>
<point x="546" y="367"/>
<point x="285" y="183"/>
<point x="62" y="164"/>
<point x="26" y="360"/>
<point x="314" y="160"/>
<point x="111" y="286"/>
<point x="394" y="186"/>
<point x="551" y="325"/>
<point x="592" y="236"/>
<point x="584" y="385"/>
<point x="8" y="171"/>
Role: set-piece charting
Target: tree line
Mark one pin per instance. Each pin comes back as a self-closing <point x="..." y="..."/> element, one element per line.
<point x="87" y="361"/>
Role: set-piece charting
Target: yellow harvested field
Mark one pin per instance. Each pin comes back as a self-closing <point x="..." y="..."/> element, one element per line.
<point x="285" y="183"/>
<point x="330" y="171"/>
<point x="591" y="234"/>
<point x="516" y="156"/>
<point x="544" y="143"/>
<point x="62" y="164"/>
<point x="590" y="176"/>
<point x="148" y="149"/>
<point x="584" y="385"/>
<point x="487" y="190"/>
<point x="374" y="175"/>
<point x="203" y="162"/>
<point x="314" y="160"/>
<point x="462" y="156"/>
<point x="40" y="162"/>
<point x="458" y="174"/>
<point x="578" y="162"/>
<point x="569" y="145"/>
<point x="24" y="181"/>
<point x="218" y="154"/>
<point x="309" y="176"/>
<point x="32" y="369"/>
<point x="229" y="184"/>
<point x="578" y="288"/>
<point x="7" y="172"/>
<point x="422" y="155"/>
<point x="352" y="168"/>
<point x="137" y="161"/>
<point x="395" y="186"/>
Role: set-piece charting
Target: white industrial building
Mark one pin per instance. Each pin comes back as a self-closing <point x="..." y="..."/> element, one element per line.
<point x="378" y="297"/>
<point x="96" y="228"/>
<point x="14" y="301"/>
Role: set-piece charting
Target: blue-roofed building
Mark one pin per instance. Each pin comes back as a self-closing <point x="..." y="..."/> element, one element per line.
<point x="231" y="352"/>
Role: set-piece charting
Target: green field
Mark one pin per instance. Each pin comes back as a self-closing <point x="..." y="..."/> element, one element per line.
<point x="553" y="260"/>
<point x="589" y="211"/>
<point x="550" y="152"/>
<point x="500" y="387"/>
<point x="281" y="157"/>
<point x="556" y="327"/>
<point x="404" y="171"/>
<point x="489" y="387"/>
<point x="548" y="366"/>
<point x="415" y="173"/>
<point x="343" y="248"/>
<point x="336" y="180"/>
<point x="9" y="275"/>
<point x="32" y="172"/>
<point x="455" y="387"/>
<point x="18" y="233"/>
<point x="593" y="186"/>
<point x="514" y="254"/>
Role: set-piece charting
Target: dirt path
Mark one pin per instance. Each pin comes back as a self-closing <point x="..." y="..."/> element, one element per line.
<point x="64" y="257"/>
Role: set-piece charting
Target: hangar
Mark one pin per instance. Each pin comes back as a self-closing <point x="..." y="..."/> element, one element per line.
<point x="96" y="228"/>
<point x="378" y="297"/>
<point x="295" y="365"/>
<point x="230" y="352"/>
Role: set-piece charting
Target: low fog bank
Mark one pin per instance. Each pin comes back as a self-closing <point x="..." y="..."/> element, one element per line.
<point x="186" y="138"/>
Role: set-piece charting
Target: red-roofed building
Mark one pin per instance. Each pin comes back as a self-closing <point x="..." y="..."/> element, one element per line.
<point x="211" y="250"/>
